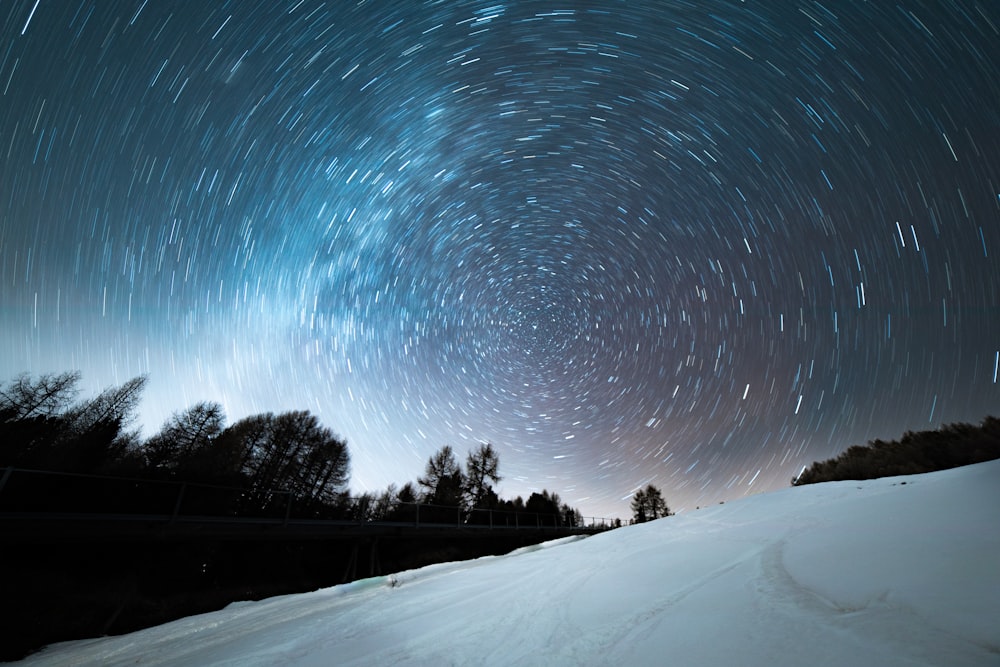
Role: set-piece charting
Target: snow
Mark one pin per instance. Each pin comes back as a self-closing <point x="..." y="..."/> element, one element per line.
<point x="897" y="571"/>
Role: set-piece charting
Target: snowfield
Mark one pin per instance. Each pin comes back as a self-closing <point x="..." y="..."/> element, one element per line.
<point x="896" y="571"/>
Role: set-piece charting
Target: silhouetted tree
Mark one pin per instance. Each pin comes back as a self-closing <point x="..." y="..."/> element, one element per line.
<point x="41" y="427"/>
<point x="385" y="503"/>
<point x="648" y="504"/>
<point x="508" y="509"/>
<point x="323" y="462"/>
<point x="481" y="468"/>
<point x="638" y="506"/>
<point x="404" y="503"/>
<point x="545" y="504"/>
<point x="290" y="453"/>
<point x="100" y="428"/>
<point x="49" y="396"/>
<point x="114" y="404"/>
<point x="362" y="508"/>
<point x="443" y="480"/>
<point x="185" y="435"/>
<point x="407" y="494"/>
<point x="571" y="518"/>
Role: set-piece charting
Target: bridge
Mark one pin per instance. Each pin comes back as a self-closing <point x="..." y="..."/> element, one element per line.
<point x="69" y="510"/>
<point x="45" y="505"/>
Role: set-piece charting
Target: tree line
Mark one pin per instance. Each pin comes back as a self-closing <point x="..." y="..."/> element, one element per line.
<point x="446" y="486"/>
<point x="950" y="446"/>
<point x="274" y="459"/>
<point x="43" y="426"/>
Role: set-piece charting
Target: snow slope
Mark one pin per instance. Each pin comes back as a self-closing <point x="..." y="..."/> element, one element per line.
<point x="897" y="571"/>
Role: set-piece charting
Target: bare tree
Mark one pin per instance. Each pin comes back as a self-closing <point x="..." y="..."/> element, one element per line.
<point x="33" y="419"/>
<point x="481" y="466"/>
<point x="443" y="479"/>
<point x="292" y="453"/>
<point x="185" y="435"/>
<point x="113" y="405"/>
<point x="41" y="427"/>
<point x="48" y="396"/>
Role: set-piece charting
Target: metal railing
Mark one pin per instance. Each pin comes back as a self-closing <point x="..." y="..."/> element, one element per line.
<point x="85" y="496"/>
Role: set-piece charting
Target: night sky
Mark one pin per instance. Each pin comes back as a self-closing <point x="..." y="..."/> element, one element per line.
<point x="698" y="244"/>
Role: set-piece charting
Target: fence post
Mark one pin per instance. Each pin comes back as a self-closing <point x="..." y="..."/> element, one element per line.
<point x="288" y="509"/>
<point x="177" y="505"/>
<point x="417" y="523"/>
<point x="491" y="519"/>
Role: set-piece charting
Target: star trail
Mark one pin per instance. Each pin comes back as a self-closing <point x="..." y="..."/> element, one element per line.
<point x="694" y="244"/>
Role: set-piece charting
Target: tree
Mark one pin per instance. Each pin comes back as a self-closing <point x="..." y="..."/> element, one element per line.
<point x="185" y="436"/>
<point x="481" y="467"/>
<point x="638" y="506"/>
<point x="385" y="504"/>
<point x="657" y="506"/>
<point x="290" y="453"/>
<point x="407" y="494"/>
<point x="361" y="508"/>
<point x="571" y="518"/>
<point x="114" y="404"/>
<point x="403" y="504"/>
<point x="33" y="418"/>
<point x="40" y="426"/>
<point x="97" y="432"/>
<point x="249" y="440"/>
<point x="443" y="480"/>
<point x="648" y="504"/>
<point x="320" y="467"/>
<point x="101" y="425"/>
<point x="48" y="396"/>
<point x="545" y="504"/>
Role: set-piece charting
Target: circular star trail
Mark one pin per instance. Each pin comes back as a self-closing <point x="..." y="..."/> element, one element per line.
<point x="698" y="245"/>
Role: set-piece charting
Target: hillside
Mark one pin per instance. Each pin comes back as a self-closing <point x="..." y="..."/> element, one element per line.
<point x="894" y="571"/>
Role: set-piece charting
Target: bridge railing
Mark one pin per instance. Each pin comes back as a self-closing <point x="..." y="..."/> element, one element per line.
<point x="40" y="492"/>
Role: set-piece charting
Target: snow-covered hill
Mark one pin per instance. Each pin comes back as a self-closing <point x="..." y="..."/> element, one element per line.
<point x="898" y="571"/>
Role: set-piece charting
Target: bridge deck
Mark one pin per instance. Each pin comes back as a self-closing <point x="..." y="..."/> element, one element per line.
<point x="60" y="527"/>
